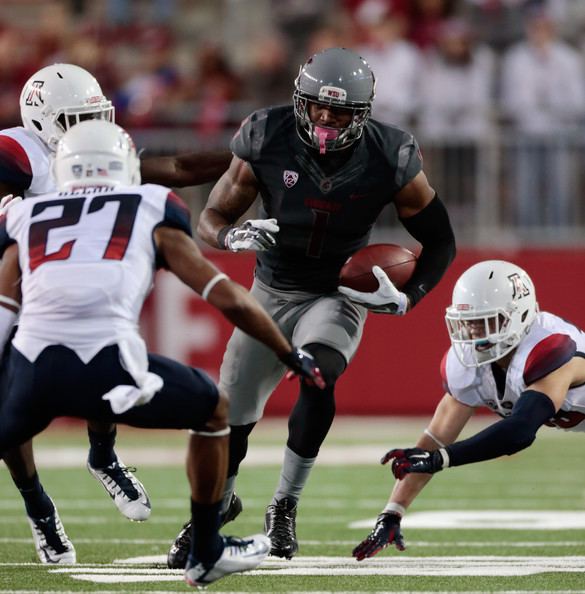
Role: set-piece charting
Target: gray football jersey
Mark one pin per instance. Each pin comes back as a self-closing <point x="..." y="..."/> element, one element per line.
<point x="325" y="205"/>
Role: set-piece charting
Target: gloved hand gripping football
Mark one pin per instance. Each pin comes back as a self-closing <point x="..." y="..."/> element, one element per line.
<point x="386" y="299"/>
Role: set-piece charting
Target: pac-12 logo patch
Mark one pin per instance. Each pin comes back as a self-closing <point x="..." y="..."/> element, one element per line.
<point x="290" y="178"/>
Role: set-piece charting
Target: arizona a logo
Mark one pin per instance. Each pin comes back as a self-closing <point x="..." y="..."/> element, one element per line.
<point x="519" y="287"/>
<point x="290" y="178"/>
<point x="34" y="96"/>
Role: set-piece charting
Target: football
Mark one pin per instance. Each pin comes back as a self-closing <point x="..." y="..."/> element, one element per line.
<point x="396" y="261"/>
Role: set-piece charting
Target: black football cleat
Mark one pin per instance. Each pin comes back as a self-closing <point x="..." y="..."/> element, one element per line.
<point x="280" y="527"/>
<point x="180" y="549"/>
<point x="233" y="511"/>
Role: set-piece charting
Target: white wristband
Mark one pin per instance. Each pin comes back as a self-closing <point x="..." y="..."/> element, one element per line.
<point x="394" y="508"/>
<point x="445" y="456"/>
<point x="10" y="302"/>
<point x="207" y="289"/>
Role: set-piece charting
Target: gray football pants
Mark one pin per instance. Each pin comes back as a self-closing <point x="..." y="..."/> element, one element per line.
<point x="251" y="371"/>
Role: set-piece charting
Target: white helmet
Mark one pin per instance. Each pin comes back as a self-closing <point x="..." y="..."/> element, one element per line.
<point x="493" y="306"/>
<point x="96" y="153"/>
<point x="59" y="96"/>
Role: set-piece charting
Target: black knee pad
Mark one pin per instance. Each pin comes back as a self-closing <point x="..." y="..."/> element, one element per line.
<point x="238" y="446"/>
<point x="331" y="362"/>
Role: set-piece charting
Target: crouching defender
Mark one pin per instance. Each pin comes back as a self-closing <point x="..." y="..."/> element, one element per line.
<point x="526" y="366"/>
<point x="79" y="263"/>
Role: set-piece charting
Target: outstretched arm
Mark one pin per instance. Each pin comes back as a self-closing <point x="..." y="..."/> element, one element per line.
<point x="536" y="405"/>
<point x="449" y="419"/>
<point x="191" y="169"/>
<point x="185" y="260"/>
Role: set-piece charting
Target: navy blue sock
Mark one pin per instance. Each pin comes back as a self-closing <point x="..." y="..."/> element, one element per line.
<point x="101" y="448"/>
<point x="206" y="543"/>
<point x="37" y="503"/>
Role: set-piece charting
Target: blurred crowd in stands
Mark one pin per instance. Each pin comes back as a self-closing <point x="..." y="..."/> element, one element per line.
<point x="453" y="71"/>
<point x="448" y="67"/>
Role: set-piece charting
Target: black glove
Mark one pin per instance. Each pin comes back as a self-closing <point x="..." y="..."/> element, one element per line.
<point x="414" y="460"/>
<point x="385" y="532"/>
<point x="302" y="363"/>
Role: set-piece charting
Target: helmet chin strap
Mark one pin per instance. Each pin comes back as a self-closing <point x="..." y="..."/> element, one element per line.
<point x="324" y="134"/>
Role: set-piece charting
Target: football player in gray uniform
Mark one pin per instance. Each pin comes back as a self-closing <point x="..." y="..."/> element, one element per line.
<point x="324" y="171"/>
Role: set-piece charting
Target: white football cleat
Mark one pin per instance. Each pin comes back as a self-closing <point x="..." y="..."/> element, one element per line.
<point x="239" y="554"/>
<point x="127" y="492"/>
<point x="51" y="542"/>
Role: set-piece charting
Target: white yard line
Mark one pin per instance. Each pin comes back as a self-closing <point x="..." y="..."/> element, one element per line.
<point x="443" y="566"/>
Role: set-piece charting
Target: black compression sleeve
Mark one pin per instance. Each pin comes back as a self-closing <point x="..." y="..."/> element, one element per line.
<point x="432" y="228"/>
<point x="508" y="436"/>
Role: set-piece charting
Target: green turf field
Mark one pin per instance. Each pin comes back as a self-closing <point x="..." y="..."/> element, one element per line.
<point x="516" y="524"/>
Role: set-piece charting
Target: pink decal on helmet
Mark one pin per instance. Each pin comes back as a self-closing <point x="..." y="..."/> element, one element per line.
<point x="324" y="134"/>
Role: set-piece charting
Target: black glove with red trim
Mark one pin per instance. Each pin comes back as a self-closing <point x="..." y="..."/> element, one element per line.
<point x="414" y="460"/>
<point x="385" y="532"/>
<point x="302" y="363"/>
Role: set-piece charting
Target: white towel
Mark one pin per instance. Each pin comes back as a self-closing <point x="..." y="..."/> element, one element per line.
<point x="135" y="359"/>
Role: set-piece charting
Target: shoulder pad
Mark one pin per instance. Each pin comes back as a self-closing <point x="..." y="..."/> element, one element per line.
<point x="15" y="166"/>
<point x="177" y="213"/>
<point x="546" y="356"/>
<point x="247" y="141"/>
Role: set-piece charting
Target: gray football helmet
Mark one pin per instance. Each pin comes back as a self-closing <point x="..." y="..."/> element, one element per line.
<point x="335" y="77"/>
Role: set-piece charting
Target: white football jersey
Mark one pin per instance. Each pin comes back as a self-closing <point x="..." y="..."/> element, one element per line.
<point x="87" y="258"/>
<point x="25" y="162"/>
<point x="550" y="343"/>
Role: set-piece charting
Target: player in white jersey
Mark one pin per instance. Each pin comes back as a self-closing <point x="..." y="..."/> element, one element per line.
<point x="525" y="365"/>
<point x="54" y="99"/>
<point x="79" y="263"/>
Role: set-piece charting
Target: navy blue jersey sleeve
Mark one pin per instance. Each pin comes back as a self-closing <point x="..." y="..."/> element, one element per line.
<point x="177" y="214"/>
<point x="248" y="140"/>
<point x="5" y="240"/>
<point x="15" y="167"/>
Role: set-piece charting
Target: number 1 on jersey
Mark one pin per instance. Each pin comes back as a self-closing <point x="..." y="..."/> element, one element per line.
<point x="317" y="239"/>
